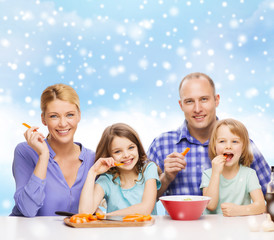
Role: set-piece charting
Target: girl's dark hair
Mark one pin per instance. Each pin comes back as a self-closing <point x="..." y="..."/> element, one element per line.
<point x="122" y="130"/>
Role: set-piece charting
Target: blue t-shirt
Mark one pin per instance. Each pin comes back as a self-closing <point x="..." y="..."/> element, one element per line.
<point x="118" y="198"/>
<point x="236" y="190"/>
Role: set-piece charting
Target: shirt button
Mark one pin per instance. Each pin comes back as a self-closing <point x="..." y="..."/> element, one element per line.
<point x="200" y="149"/>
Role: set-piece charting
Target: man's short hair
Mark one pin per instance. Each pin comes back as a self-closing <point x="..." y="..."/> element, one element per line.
<point x="198" y="75"/>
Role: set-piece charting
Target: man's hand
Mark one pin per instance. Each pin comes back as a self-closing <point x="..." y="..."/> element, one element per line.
<point x="173" y="163"/>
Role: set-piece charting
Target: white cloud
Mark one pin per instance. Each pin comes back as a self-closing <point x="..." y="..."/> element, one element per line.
<point x="265" y="8"/>
<point x="234" y="24"/>
<point x="196" y="43"/>
<point x="89" y="130"/>
<point x="148" y="127"/>
<point x="271" y="93"/>
<point x="251" y="92"/>
<point x="173" y="11"/>
<point x="180" y="51"/>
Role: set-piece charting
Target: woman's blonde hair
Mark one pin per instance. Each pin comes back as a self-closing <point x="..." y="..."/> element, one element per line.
<point x="124" y="131"/>
<point x="236" y="128"/>
<point x="59" y="91"/>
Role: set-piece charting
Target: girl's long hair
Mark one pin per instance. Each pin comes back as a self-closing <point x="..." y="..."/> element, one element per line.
<point x="122" y="130"/>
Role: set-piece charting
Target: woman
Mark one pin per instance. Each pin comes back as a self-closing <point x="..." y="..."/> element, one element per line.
<point x="50" y="173"/>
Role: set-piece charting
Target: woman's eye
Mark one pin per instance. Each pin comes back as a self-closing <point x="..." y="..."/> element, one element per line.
<point x="132" y="147"/>
<point x="70" y="115"/>
<point x="53" y="116"/>
<point x="116" y="152"/>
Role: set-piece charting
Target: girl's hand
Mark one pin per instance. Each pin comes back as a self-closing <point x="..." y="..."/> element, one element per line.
<point x="230" y="209"/>
<point x="218" y="164"/>
<point x="102" y="165"/>
<point x="36" y="141"/>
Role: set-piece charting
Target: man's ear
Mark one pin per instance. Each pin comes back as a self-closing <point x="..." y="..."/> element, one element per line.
<point x="180" y="103"/>
<point x="217" y="100"/>
<point x="43" y="119"/>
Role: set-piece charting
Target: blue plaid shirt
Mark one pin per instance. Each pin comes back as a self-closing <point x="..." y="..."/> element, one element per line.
<point x="187" y="181"/>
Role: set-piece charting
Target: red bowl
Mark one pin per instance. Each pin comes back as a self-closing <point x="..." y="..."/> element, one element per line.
<point x="185" y="207"/>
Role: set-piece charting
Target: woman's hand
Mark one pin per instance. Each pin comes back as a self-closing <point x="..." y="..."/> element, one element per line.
<point x="102" y="165"/>
<point x="36" y="141"/>
<point x="218" y="164"/>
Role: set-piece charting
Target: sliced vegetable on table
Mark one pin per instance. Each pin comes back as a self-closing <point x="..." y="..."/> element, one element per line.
<point x="136" y="218"/>
<point x="84" y="217"/>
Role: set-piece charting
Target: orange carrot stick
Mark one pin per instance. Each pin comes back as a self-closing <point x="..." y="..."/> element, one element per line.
<point x="118" y="164"/>
<point x="136" y="218"/>
<point x="100" y="216"/>
<point x="28" y="126"/>
<point x="185" y="152"/>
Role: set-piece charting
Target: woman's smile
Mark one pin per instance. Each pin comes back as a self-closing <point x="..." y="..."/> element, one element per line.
<point x="63" y="132"/>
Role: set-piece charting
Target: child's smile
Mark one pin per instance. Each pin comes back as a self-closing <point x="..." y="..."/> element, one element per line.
<point x="124" y="151"/>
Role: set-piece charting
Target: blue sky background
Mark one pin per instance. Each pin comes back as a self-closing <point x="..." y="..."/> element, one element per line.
<point x="126" y="60"/>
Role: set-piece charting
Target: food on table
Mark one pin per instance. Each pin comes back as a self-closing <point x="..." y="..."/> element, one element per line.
<point x="136" y="218"/>
<point x="187" y="199"/>
<point x="268" y="224"/>
<point x="84" y="217"/>
<point x="185" y="207"/>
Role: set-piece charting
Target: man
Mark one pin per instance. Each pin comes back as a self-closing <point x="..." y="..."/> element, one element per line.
<point x="182" y="174"/>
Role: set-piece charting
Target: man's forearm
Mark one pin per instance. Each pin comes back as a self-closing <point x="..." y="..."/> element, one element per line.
<point x="164" y="185"/>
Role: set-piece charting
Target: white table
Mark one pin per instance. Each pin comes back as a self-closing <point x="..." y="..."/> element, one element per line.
<point x="207" y="227"/>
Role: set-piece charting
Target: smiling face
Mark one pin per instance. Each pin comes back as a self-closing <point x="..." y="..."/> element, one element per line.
<point x="61" y="118"/>
<point x="198" y="104"/>
<point x="229" y="144"/>
<point x="124" y="151"/>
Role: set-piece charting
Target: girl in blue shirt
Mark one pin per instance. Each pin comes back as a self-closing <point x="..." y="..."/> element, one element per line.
<point x="232" y="185"/>
<point x="128" y="181"/>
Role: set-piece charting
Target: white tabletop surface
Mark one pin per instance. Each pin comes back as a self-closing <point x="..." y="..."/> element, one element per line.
<point x="207" y="227"/>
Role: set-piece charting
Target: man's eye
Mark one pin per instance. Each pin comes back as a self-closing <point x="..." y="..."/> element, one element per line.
<point x="188" y="101"/>
<point x="204" y="99"/>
